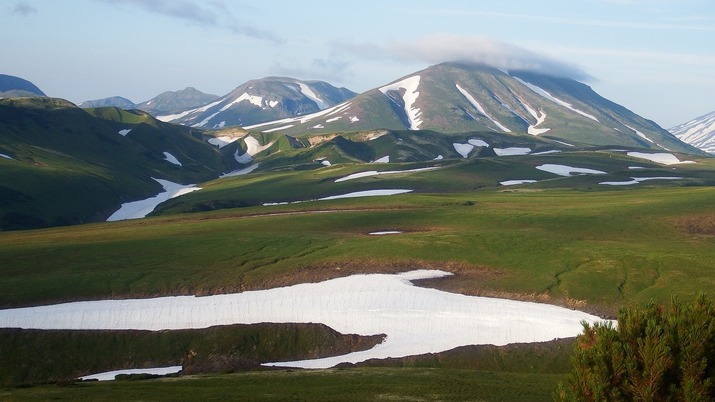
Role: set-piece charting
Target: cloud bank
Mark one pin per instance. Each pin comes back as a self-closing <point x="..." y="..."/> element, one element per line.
<point x="211" y="13"/>
<point x="439" y="48"/>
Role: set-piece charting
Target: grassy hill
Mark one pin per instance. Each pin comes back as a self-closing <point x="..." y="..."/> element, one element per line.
<point x="71" y="166"/>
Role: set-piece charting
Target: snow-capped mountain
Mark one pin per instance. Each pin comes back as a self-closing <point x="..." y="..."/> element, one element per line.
<point x="263" y="100"/>
<point x="699" y="132"/>
<point x="454" y="98"/>
<point x="176" y="101"/>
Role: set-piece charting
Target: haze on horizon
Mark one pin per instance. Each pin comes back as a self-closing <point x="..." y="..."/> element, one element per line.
<point x="655" y="57"/>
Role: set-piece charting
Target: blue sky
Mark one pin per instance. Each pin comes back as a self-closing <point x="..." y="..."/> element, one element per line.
<point x="655" y="57"/>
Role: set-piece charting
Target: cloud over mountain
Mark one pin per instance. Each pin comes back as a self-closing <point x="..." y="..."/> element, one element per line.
<point x="440" y="48"/>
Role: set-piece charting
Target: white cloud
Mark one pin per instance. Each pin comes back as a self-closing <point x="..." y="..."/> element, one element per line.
<point x="439" y="48"/>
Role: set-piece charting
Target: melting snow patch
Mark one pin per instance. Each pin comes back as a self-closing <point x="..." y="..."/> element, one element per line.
<point x="110" y="375"/>
<point x="325" y="163"/>
<point x="641" y="135"/>
<point x="385" y="232"/>
<point x="240" y="172"/>
<point x="662" y="158"/>
<point x="416" y="320"/>
<point x="438" y="158"/>
<point x="384" y="159"/>
<point x="332" y="119"/>
<point x="376" y="173"/>
<point x="515" y="182"/>
<point x="553" y="151"/>
<point x="512" y="151"/>
<point x="563" y="170"/>
<point x="124" y="132"/>
<point x="6" y="156"/>
<point x="367" y="193"/>
<point x="171" y="159"/>
<point x="354" y="119"/>
<point x="308" y="92"/>
<point x="637" y="180"/>
<point x="141" y="208"/>
<point x="287" y="126"/>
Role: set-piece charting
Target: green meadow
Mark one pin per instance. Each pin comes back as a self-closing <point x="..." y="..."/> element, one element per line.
<point x="564" y="240"/>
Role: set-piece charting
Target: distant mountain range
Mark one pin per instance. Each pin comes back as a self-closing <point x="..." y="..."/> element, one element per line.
<point x="262" y="100"/>
<point x="164" y="103"/>
<point x="699" y="132"/>
<point x="11" y="86"/>
<point x="453" y="98"/>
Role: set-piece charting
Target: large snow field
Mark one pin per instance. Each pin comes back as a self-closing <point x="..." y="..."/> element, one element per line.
<point x="141" y="208"/>
<point x="415" y="320"/>
<point x="222" y="141"/>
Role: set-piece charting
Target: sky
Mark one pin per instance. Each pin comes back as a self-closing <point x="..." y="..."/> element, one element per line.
<point x="655" y="57"/>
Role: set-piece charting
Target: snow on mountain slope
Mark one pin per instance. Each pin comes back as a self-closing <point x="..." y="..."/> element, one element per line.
<point x="263" y="100"/>
<point x="699" y="132"/>
<point x="479" y="107"/>
<point x="556" y="100"/>
<point x="409" y="86"/>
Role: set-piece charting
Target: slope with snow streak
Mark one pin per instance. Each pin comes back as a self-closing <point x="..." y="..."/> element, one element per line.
<point x="480" y="109"/>
<point x="556" y="100"/>
<point x="415" y="320"/>
<point x="409" y="85"/>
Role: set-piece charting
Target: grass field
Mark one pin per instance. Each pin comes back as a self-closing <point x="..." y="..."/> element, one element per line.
<point x="363" y="384"/>
<point x="567" y="241"/>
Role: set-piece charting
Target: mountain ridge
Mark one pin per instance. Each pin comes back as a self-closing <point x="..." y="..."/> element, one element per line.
<point x="698" y="132"/>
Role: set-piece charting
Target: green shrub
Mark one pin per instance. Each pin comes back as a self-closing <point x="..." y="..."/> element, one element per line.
<point x="654" y="354"/>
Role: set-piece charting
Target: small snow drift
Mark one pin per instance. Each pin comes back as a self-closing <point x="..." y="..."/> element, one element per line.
<point x="385" y="232"/>
<point x="171" y="159"/>
<point x="366" y="193"/>
<point x="124" y="132"/>
<point x="512" y="151"/>
<point x="516" y="182"/>
<point x="141" y="208"/>
<point x="416" y="320"/>
<point x="637" y="180"/>
<point x="563" y="170"/>
<point x="110" y="375"/>
<point x="376" y="173"/>
<point x="6" y="156"/>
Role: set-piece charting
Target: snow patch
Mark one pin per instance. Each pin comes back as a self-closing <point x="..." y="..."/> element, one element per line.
<point x="463" y="149"/>
<point x="478" y="143"/>
<point x="385" y="232"/>
<point x="332" y="119"/>
<point x="253" y="147"/>
<point x="376" y="173"/>
<point x="637" y="180"/>
<point x="515" y="182"/>
<point x="141" y="208"/>
<point x="540" y="117"/>
<point x="564" y="170"/>
<point x="240" y="172"/>
<point x="354" y="119"/>
<point x="410" y="86"/>
<point x="326" y="163"/>
<point x="659" y="157"/>
<point x="384" y="159"/>
<point x="512" y="151"/>
<point x="481" y="110"/>
<point x="279" y="128"/>
<point x="124" y="132"/>
<point x="416" y="320"/>
<point x="438" y="158"/>
<point x="308" y="92"/>
<point x="110" y="375"/>
<point x="171" y="159"/>
<point x="6" y="156"/>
